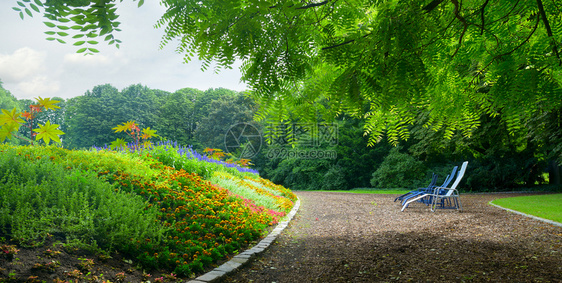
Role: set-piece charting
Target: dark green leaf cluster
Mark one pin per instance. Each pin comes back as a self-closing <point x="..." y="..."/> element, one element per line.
<point x="384" y="62"/>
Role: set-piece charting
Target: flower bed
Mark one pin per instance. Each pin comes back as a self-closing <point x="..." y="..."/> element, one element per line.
<point x="201" y="222"/>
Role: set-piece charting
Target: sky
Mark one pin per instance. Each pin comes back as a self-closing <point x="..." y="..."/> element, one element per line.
<point x="31" y="66"/>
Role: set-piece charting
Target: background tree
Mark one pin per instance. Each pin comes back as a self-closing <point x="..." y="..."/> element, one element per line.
<point x="223" y="113"/>
<point x="89" y="117"/>
<point x="546" y="132"/>
<point x="499" y="160"/>
<point x="141" y="104"/>
<point x="7" y="100"/>
<point x="176" y="117"/>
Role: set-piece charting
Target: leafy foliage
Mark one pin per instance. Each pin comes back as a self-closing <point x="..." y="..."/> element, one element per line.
<point x="384" y="61"/>
<point x="90" y="118"/>
<point x="48" y="132"/>
<point x="187" y="222"/>
<point x="224" y="112"/>
<point x="81" y="22"/>
<point x="132" y="129"/>
<point x="11" y="122"/>
<point x="399" y="170"/>
<point x="7" y="100"/>
<point x="39" y="198"/>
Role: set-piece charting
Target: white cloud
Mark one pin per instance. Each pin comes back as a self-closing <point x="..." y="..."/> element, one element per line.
<point x="39" y="85"/>
<point x="23" y="63"/>
<point x="52" y="69"/>
<point x="87" y="60"/>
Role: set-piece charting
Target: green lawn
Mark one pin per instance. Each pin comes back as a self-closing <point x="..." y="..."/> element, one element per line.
<point x="544" y="206"/>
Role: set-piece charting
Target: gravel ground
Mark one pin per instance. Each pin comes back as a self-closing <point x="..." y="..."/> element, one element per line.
<point x="340" y="237"/>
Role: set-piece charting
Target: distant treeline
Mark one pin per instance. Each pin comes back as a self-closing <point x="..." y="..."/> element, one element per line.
<point x="326" y="156"/>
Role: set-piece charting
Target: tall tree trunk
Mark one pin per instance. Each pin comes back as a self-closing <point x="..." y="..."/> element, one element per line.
<point x="553" y="173"/>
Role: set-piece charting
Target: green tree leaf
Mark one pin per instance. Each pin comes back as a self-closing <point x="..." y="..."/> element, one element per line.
<point x="6" y="131"/>
<point x="47" y="103"/>
<point x="118" y="144"/>
<point x="11" y="117"/>
<point x="48" y="132"/>
<point x="34" y="7"/>
<point x="49" y="24"/>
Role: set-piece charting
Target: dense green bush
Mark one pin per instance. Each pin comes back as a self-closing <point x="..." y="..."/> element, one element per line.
<point x="399" y="170"/>
<point x="334" y="179"/>
<point x="508" y="173"/>
<point x="300" y="174"/>
<point x="39" y="197"/>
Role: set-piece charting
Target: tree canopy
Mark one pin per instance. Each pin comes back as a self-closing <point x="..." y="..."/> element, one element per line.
<point x="387" y="62"/>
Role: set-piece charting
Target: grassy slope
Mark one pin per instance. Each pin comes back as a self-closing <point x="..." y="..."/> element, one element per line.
<point x="544" y="206"/>
<point x="203" y="222"/>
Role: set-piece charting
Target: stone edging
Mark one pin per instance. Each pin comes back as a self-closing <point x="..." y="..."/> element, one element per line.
<point x="527" y="215"/>
<point x="241" y="259"/>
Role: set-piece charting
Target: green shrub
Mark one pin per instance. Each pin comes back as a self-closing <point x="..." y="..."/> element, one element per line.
<point x="122" y="201"/>
<point x="39" y="197"/>
<point x="300" y="174"/>
<point x="179" y="158"/>
<point x="334" y="179"/>
<point x="399" y="170"/>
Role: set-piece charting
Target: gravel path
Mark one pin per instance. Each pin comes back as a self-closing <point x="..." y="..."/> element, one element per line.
<point x="340" y="237"/>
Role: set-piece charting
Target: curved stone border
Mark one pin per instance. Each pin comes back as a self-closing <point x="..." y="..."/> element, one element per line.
<point x="239" y="260"/>
<point x="527" y="215"/>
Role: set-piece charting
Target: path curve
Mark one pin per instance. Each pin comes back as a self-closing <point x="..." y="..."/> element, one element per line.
<point x="342" y="237"/>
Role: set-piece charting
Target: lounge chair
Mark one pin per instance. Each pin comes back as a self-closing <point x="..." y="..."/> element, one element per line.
<point x="427" y="200"/>
<point x="443" y="197"/>
<point x="429" y="188"/>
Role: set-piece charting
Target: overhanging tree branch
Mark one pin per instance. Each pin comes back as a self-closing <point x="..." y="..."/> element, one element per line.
<point x="548" y="30"/>
<point x="343" y="43"/>
<point x="338" y="45"/>
<point x="432" y="5"/>
<point x="312" y="5"/>
<point x="463" y="21"/>
<point x="482" y="16"/>
<point x="511" y="51"/>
